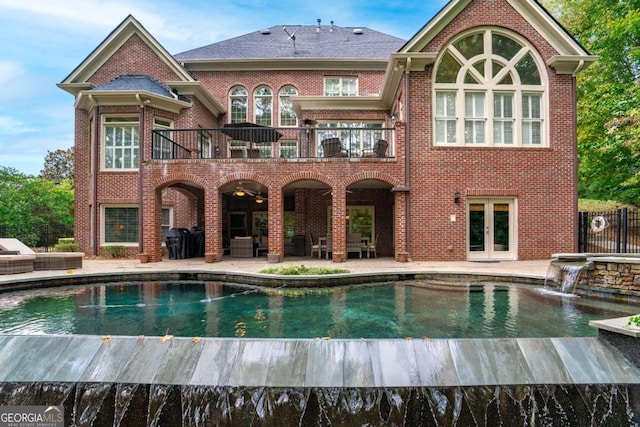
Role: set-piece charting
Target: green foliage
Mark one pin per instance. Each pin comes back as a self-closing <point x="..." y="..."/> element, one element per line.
<point x="634" y="321"/>
<point x="66" y="247"/>
<point x="58" y="166"/>
<point x="28" y="204"/>
<point x="590" y="205"/>
<point x="608" y="94"/>
<point x="115" y="251"/>
<point x="301" y="270"/>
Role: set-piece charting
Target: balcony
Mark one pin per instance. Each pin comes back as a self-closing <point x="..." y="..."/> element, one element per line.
<point x="256" y="142"/>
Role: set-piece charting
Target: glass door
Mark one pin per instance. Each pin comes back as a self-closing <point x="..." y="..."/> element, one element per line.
<point x="491" y="229"/>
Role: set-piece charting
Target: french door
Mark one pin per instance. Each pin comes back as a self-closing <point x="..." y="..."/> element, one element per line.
<point x="491" y="228"/>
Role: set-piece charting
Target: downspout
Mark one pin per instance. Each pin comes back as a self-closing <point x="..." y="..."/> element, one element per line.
<point x="140" y="178"/>
<point x="94" y="161"/>
<point x="576" y="238"/>
<point x="407" y="157"/>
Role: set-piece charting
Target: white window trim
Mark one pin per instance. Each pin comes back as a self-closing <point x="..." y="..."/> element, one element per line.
<point x="103" y="141"/>
<point x="231" y="97"/>
<point x="288" y="96"/>
<point x="103" y="241"/>
<point x="255" y="102"/>
<point x="160" y="123"/>
<point x="491" y="87"/>
<point x="340" y="78"/>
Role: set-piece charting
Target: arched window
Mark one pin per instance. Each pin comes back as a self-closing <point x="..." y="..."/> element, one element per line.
<point x="263" y="98"/>
<point x="238" y="104"/>
<point x="287" y="115"/>
<point x="489" y="90"/>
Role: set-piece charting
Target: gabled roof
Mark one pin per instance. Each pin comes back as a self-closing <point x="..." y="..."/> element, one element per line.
<point x="110" y="45"/>
<point x="571" y="55"/>
<point x="77" y="83"/>
<point x="300" y="41"/>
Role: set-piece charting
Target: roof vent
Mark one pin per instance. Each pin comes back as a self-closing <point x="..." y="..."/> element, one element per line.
<point x="357" y="31"/>
<point x="265" y="31"/>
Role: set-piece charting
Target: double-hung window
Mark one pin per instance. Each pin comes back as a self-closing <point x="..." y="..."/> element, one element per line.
<point x="489" y="91"/>
<point x="340" y="86"/>
<point x="238" y="99"/>
<point x="287" y="115"/>
<point x="121" y="142"/>
<point x="263" y="98"/>
<point x="162" y="142"/>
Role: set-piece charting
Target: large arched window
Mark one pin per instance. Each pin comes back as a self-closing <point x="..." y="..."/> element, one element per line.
<point x="489" y="90"/>
<point x="287" y="115"/>
<point x="238" y="104"/>
<point x="263" y="98"/>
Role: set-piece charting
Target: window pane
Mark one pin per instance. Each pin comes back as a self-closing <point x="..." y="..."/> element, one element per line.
<point x="121" y="225"/>
<point x="504" y="46"/>
<point x="287" y="115"/>
<point x="448" y="69"/>
<point x="349" y="86"/>
<point x="471" y="46"/>
<point x="446" y="104"/>
<point x="331" y="87"/>
<point x="528" y="71"/>
<point x="121" y="143"/>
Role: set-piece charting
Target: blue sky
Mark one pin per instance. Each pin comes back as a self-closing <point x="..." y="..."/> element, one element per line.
<point x="42" y="41"/>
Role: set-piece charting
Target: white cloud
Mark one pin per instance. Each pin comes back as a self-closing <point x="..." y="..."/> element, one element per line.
<point x="13" y="126"/>
<point x="8" y="71"/>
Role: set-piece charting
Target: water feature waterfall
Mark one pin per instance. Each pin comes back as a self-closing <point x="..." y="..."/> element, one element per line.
<point x="563" y="276"/>
<point x="122" y="405"/>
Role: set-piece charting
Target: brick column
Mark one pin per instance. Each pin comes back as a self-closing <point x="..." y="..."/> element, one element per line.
<point x="276" y="222"/>
<point x="338" y="221"/>
<point x="400" y="227"/>
<point x="213" y="250"/>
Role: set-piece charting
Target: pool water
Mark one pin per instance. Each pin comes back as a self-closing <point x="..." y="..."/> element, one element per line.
<point x="404" y="309"/>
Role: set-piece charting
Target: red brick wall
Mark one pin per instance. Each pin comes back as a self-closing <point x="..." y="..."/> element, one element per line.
<point x="542" y="179"/>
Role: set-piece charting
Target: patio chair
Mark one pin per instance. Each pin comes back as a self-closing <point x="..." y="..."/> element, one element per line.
<point x="332" y="147"/>
<point x="371" y="247"/>
<point x="380" y="148"/>
<point x="242" y="247"/>
<point x="354" y="243"/>
<point x="315" y="247"/>
<point x="328" y="246"/>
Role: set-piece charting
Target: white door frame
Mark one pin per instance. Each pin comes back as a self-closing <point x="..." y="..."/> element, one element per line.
<point x="487" y="250"/>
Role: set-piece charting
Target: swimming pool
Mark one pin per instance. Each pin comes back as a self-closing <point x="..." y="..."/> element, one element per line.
<point x="397" y="310"/>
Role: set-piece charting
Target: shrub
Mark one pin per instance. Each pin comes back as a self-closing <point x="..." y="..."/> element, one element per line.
<point x="301" y="270"/>
<point x="115" y="251"/>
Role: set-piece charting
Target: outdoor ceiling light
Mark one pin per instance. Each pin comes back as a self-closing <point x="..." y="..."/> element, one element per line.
<point x="239" y="192"/>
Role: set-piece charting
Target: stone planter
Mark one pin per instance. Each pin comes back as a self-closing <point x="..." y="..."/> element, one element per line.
<point x="144" y="258"/>
<point x="338" y="257"/>
<point x="273" y="258"/>
<point x="403" y="256"/>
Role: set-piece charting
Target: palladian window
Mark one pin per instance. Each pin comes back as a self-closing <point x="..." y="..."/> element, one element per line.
<point x="489" y="91"/>
<point x="287" y="115"/>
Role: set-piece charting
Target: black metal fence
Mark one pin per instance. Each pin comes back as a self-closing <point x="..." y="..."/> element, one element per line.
<point x="43" y="237"/>
<point x="616" y="231"/>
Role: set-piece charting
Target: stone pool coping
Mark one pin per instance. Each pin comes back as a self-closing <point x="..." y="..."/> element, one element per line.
<point x="312" y="362"/>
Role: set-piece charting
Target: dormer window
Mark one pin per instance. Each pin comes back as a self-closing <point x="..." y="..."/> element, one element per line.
<point x="489" y="91"/>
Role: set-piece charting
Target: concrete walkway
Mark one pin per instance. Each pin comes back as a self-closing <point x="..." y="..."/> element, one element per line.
<point x="529" y="269"/>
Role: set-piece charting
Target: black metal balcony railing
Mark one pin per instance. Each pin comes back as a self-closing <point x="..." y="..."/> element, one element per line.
<point x="267" y="142"/>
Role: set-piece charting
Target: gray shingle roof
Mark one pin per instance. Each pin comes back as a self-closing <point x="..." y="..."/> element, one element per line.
<point x="329" y="42"/>
<point x="141" y="82"/>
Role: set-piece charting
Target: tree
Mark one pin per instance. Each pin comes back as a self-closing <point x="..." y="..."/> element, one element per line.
<point x="28" y="204"/>
<point x="58" y="166"/>
<point x="608" y="96"/>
